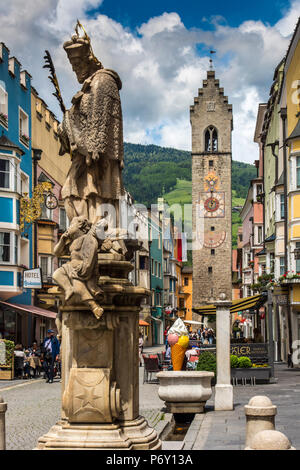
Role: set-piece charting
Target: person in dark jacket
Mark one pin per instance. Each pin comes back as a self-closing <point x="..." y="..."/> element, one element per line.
<point x="50" y="348"/>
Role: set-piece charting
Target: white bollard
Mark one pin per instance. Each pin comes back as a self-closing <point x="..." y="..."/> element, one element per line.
<point x="270" y="440"/>
<point x="260" y="416"/>
<point x="3" y="408"/>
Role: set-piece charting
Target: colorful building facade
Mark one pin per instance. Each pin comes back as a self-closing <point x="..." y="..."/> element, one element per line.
<point x="156" y="277"/>
<point x="52" y="168"/>
<point x="290" y="142"/>
<point x="15" y="180"/>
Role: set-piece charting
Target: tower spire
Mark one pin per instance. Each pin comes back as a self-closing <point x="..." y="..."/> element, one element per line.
<point x="211" y="66"/>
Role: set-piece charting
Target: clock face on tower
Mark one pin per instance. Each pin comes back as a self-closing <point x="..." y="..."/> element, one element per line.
<point x="214" y="240"/>
<point x="213" y="204"/>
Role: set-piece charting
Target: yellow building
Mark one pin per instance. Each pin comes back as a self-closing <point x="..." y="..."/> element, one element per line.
<point x="48" y="166"/>
<point x="290" y="134"/>
<point x="45" y="137"/>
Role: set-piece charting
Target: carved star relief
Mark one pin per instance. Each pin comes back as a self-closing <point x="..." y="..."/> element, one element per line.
<point x="88" y="398"/>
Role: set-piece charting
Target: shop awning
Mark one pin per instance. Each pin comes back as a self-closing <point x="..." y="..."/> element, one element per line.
<point x="239" y="305"/>
<point x="143" y="323"/>
<point x="30" y="309"/>
<point x="192" y="322"/>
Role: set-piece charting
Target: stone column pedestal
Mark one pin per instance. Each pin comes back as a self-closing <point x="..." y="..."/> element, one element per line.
<point x="100" y="382"/>
<point x="223" y="388"/>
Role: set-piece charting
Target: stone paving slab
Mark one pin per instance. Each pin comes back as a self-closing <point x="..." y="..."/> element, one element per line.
<point x="32" y="409"/>
<point x="225" y="430"/>
<point x="34" y="406"/>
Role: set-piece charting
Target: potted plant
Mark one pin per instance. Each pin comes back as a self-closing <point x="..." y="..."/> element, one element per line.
<point x="6" y="359"/>
<point x="208" y="362"/>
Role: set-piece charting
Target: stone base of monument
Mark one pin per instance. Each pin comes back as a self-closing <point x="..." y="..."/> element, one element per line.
<point x="100" y="369"/>
<point x="223" y="397"/>
<point x="185" y="391"/>
<point x="134" y="435"/>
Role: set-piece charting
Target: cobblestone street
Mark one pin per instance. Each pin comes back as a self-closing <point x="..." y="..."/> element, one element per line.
<point x="34" y="406"/>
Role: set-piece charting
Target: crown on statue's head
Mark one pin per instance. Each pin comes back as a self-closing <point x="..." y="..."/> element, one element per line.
<point x="80" y="46"/>
<point x="77" y="47"/>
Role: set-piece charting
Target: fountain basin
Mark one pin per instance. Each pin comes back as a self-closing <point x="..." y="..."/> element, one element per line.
<point x="185" y="391"/>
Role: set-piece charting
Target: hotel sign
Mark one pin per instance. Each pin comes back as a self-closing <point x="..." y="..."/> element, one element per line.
<point x="32" y="279"/>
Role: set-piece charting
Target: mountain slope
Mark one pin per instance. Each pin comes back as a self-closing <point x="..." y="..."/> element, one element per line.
<point x="151" y="170"/>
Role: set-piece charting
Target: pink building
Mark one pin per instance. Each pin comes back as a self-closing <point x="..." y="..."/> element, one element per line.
<point x="252" y="236"/>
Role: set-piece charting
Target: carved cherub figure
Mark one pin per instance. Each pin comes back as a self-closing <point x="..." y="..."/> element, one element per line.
<point x="78" y="277"/>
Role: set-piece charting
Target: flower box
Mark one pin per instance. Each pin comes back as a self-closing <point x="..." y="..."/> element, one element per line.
<point x="257" y="373"/>
<point x="24" y="139"/>
<point x="6" y="373"/>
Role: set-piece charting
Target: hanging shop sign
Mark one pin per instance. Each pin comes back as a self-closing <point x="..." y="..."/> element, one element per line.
<point x="250" y="349"/>
<point x="32" y="279"/>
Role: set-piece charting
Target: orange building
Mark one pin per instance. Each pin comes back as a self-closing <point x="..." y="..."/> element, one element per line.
<point x="187" y="289"/>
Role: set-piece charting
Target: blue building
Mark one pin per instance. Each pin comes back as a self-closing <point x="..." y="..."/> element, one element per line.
<point x="156" y="277"/>
<point x="15" y="180"/>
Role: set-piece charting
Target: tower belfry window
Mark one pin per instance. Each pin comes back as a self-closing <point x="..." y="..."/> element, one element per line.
<point x="211" y="139"/>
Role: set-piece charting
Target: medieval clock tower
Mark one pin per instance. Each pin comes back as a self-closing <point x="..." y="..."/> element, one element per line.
<point x="212" y="124"/>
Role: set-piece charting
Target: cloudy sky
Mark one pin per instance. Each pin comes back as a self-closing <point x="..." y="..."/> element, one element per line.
<point x="161" y="51"/>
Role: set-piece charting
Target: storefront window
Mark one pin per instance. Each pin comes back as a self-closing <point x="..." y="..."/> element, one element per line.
<point x="7" y="324"/>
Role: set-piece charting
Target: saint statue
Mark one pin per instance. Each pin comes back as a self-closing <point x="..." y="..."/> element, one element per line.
<point x="92" y="131"/>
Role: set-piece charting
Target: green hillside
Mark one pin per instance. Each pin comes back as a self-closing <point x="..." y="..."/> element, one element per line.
<point x="152" y="171"/>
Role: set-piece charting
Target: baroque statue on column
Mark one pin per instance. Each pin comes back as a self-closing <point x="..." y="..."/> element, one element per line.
<point x="92" y="131"/>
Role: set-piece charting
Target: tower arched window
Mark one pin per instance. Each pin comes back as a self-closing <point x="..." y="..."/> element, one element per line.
<point x="211" y="139"/>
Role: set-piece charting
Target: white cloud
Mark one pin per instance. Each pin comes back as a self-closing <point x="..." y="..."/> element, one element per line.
<point x="158" y="63"/>
<point x="165" y="22"/>
<point x="287" y="24"/>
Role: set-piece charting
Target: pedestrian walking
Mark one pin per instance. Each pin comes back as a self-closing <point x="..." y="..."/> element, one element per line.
<point x="19" y="358"/>
<point x="50" y="350"/>
<point x="211" y="336"/>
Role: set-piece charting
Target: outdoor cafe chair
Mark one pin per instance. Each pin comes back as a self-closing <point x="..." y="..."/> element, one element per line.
<point x="151" y="366"/>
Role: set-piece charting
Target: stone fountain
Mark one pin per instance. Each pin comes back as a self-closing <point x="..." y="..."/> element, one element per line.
<point x="99" y="314"/>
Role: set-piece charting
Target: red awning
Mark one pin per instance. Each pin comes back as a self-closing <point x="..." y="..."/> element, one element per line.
<point x="143" y="323"/>
<point x="30" y="309"/>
